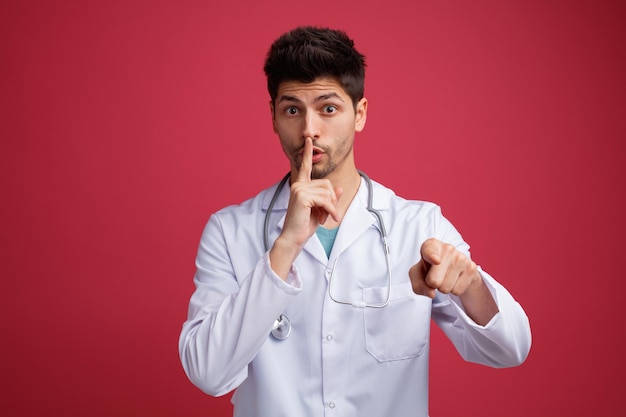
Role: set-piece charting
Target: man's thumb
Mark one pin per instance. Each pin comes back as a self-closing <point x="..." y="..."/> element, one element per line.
<point x="418" y="273"/>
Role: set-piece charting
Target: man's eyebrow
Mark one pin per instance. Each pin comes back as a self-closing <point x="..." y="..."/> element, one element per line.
<point x="323" y="97"/>
<point x="289" y="98"/>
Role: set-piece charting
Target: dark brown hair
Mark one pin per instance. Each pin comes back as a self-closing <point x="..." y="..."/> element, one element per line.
<point x="306" y="53"/>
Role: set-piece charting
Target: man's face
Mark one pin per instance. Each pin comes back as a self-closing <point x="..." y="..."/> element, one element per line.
<point x="324" y="112"/>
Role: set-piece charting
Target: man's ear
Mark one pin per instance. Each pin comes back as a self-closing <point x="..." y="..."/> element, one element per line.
<point x="273" y="116"/>
<point x="361" y="115"/>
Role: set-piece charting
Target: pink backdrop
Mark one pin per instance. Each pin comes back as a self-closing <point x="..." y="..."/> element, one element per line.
<point x="124" y="124"/>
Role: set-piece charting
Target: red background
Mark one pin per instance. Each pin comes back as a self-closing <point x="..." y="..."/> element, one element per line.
<point x="125" y="124"/>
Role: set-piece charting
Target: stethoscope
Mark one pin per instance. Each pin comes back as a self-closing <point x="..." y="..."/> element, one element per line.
<point x="281" y="328"/>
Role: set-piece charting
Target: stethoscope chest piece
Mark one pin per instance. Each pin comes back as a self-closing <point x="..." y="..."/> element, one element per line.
<point x="281" y="328"/>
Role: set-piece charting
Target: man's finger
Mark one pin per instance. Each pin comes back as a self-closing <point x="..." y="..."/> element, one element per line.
<point x="418" y="273"/>
<point x="304" y="174"/>
<point x="433" y="270"/>
<point x="323" y="216"/>
<point x="431" y="251"/>
<point x="332" y="208"/>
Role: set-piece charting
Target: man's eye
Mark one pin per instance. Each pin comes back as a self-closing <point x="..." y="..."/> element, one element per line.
<point x="330" y="109"/>
<point x="291" y="110"/>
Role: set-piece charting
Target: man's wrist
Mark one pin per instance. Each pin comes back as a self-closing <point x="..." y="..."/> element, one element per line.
<point x="282" y="255"/>
<point x="478" y="302"/>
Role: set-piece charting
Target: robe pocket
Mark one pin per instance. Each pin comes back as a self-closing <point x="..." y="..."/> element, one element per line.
<point x="401" y="329"/>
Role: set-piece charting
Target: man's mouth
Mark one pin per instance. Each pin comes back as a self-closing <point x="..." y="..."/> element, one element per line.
<point x="317" y="154"/>
<point x="317" y="157"/>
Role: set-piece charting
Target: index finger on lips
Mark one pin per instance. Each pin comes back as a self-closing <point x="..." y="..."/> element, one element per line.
<point x="304" y="173"/>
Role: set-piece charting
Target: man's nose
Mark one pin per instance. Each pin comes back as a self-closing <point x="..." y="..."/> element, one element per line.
<point x="311" y="126"/>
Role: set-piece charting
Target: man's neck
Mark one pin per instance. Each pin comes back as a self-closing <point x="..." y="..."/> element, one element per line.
<point x="350" y="186"/>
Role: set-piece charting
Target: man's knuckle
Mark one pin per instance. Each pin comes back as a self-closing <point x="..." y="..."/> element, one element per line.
<point x="448" y="248"/>
<point x="434" y="280"/>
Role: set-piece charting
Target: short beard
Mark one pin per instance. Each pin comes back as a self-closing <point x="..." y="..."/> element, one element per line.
<point x="317" y="173"/>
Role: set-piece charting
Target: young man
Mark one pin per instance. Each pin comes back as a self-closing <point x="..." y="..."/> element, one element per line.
<point x="352" y="333"/>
